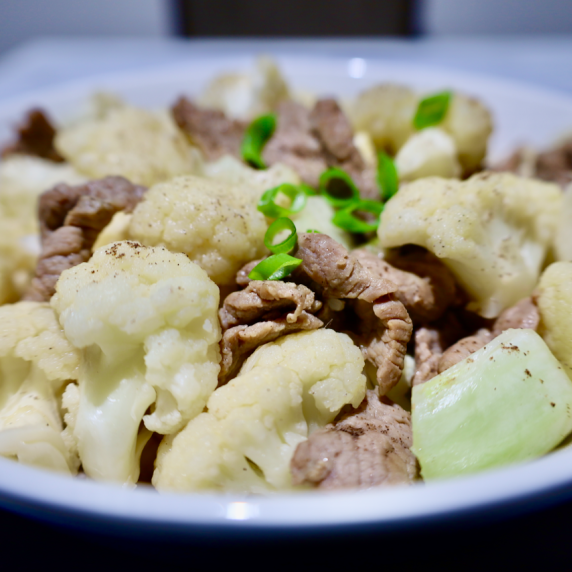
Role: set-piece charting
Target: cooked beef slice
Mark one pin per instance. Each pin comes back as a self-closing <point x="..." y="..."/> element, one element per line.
<point x="209" y="129"/>
<point x="384" y="324"/>
<point x="71" y="218"/>
<point x="34" y="136"/>
<point x="366" y="447"/>
<point x="262" y="312"/>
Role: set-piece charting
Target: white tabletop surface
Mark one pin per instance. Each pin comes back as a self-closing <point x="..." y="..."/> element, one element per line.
<point x="543" y="60"/>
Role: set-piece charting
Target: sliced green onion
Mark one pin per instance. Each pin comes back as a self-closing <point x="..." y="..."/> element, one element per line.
<point x="275" y="267"/>
<point x="268" y="207"/>
<point x="279" y="225"/>
<point x="387" y="178"/>
<point x="308" y="190"/>
<point x="432" y="110"/>
<point x="313" y="230"/>
<point x="255" y="137"/>
<point x="338" y="188"/>
<point x="345" y="218"/>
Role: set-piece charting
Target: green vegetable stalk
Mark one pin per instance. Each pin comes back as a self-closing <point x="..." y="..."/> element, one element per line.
<point x="508" y="402"/>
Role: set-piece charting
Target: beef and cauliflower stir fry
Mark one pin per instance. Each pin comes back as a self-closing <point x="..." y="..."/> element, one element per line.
<point x="257" y="290"/>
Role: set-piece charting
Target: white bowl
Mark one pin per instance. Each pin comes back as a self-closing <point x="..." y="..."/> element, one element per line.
<point x="522" y="114"/>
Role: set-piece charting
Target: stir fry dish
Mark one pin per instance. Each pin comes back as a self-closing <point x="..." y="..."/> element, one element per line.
<point x="259" y="290"/>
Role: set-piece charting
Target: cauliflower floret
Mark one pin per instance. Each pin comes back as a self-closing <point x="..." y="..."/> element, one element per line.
<point x="555" y="305"/>
<point x="8" y="290"/>
<point x="284" y="391"/>
<point x="96" y="106"/>
<point x="214" y="224"/>
<point x="145" y="147"/>
<point x="563" y="238"/>
<point x="364" y="144"/>
<point x="146" y="323"/>
<point x="245" y="96"/>
<point x="328" y="364"/>
<point x="36" y="361"/>
<point x="470" y="124"/>
<point x="231" y="171"/>
<point x="70" y="404"/>
<point x="493" y="231"/>
<point x="316" y="215"/>
<point x="22" y="180"/>
<point x="429" y="153"/>
<point x="385" y="112"/>
<point x="17" y="260"/>
<point x="244" y="443"/>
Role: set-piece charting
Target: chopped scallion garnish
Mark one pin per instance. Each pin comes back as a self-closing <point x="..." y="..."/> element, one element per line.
<point x="338" y="188"/>
<point x="432" y="110"/>
<point x="387" y="178"/>
<point x="278" y="226"/>
<point x="308" y="190"/>
<point x="255" y="137"/>
<point x="275" y="267"/>
<point x="346" y="219"/>
<point x="268" y="207"/>
<point x="313" y="230"/>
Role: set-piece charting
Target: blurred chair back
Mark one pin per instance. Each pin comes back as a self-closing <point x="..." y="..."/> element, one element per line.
<point x="288" y="18"/>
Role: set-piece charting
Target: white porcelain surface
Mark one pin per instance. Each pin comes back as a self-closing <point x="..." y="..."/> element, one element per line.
<point x="522" y="114"/>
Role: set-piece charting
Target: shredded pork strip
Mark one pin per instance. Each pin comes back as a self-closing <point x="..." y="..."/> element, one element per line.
<point x="71" y="218"/>
<point x="366" y="447"/>
<point x="386" y="326"/>
<point x="261" y="313"/>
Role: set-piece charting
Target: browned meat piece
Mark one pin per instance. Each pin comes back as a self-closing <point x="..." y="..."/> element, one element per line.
<point x="35" y="136"/>
<point x="556" y="164"/>
<point x="337" y="272"/>
<point x="262" y="312"/>
<point x="426" y="288"/>
<point x="552" y="165"/>
<point x="61" y="250"/>
<point x="521" y="162"/>
<point x="333" y="129"/>
<point x="524" y="314"/>
<point x="295" y="145"/>
<point x="70" y="220"/>
<point x="428" y="351"/>
<point x="425" y="264"/>
<point x="70" y="205"/>
<point x="464" y="348"/>
<point x="386" y="345"/>
<point x="240" y="341"/>
<point x="367" y="447"/>
<point x="366" y="181"/>
<point x="385" y="325"/>
<point x="211" y="130"/>
<point x="312" y="141"/>
<point x="54" y="205"/>
<point x="432" y="340"/>
<point x="242" y="278"/>
<point x="263" y="298"/>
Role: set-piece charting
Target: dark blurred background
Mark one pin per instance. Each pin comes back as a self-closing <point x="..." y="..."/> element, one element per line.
<point x="22" y="20"/>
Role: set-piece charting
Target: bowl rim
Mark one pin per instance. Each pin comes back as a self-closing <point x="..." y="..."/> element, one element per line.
<point x="503" y="490"/>
<point x="35" y="491"/>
